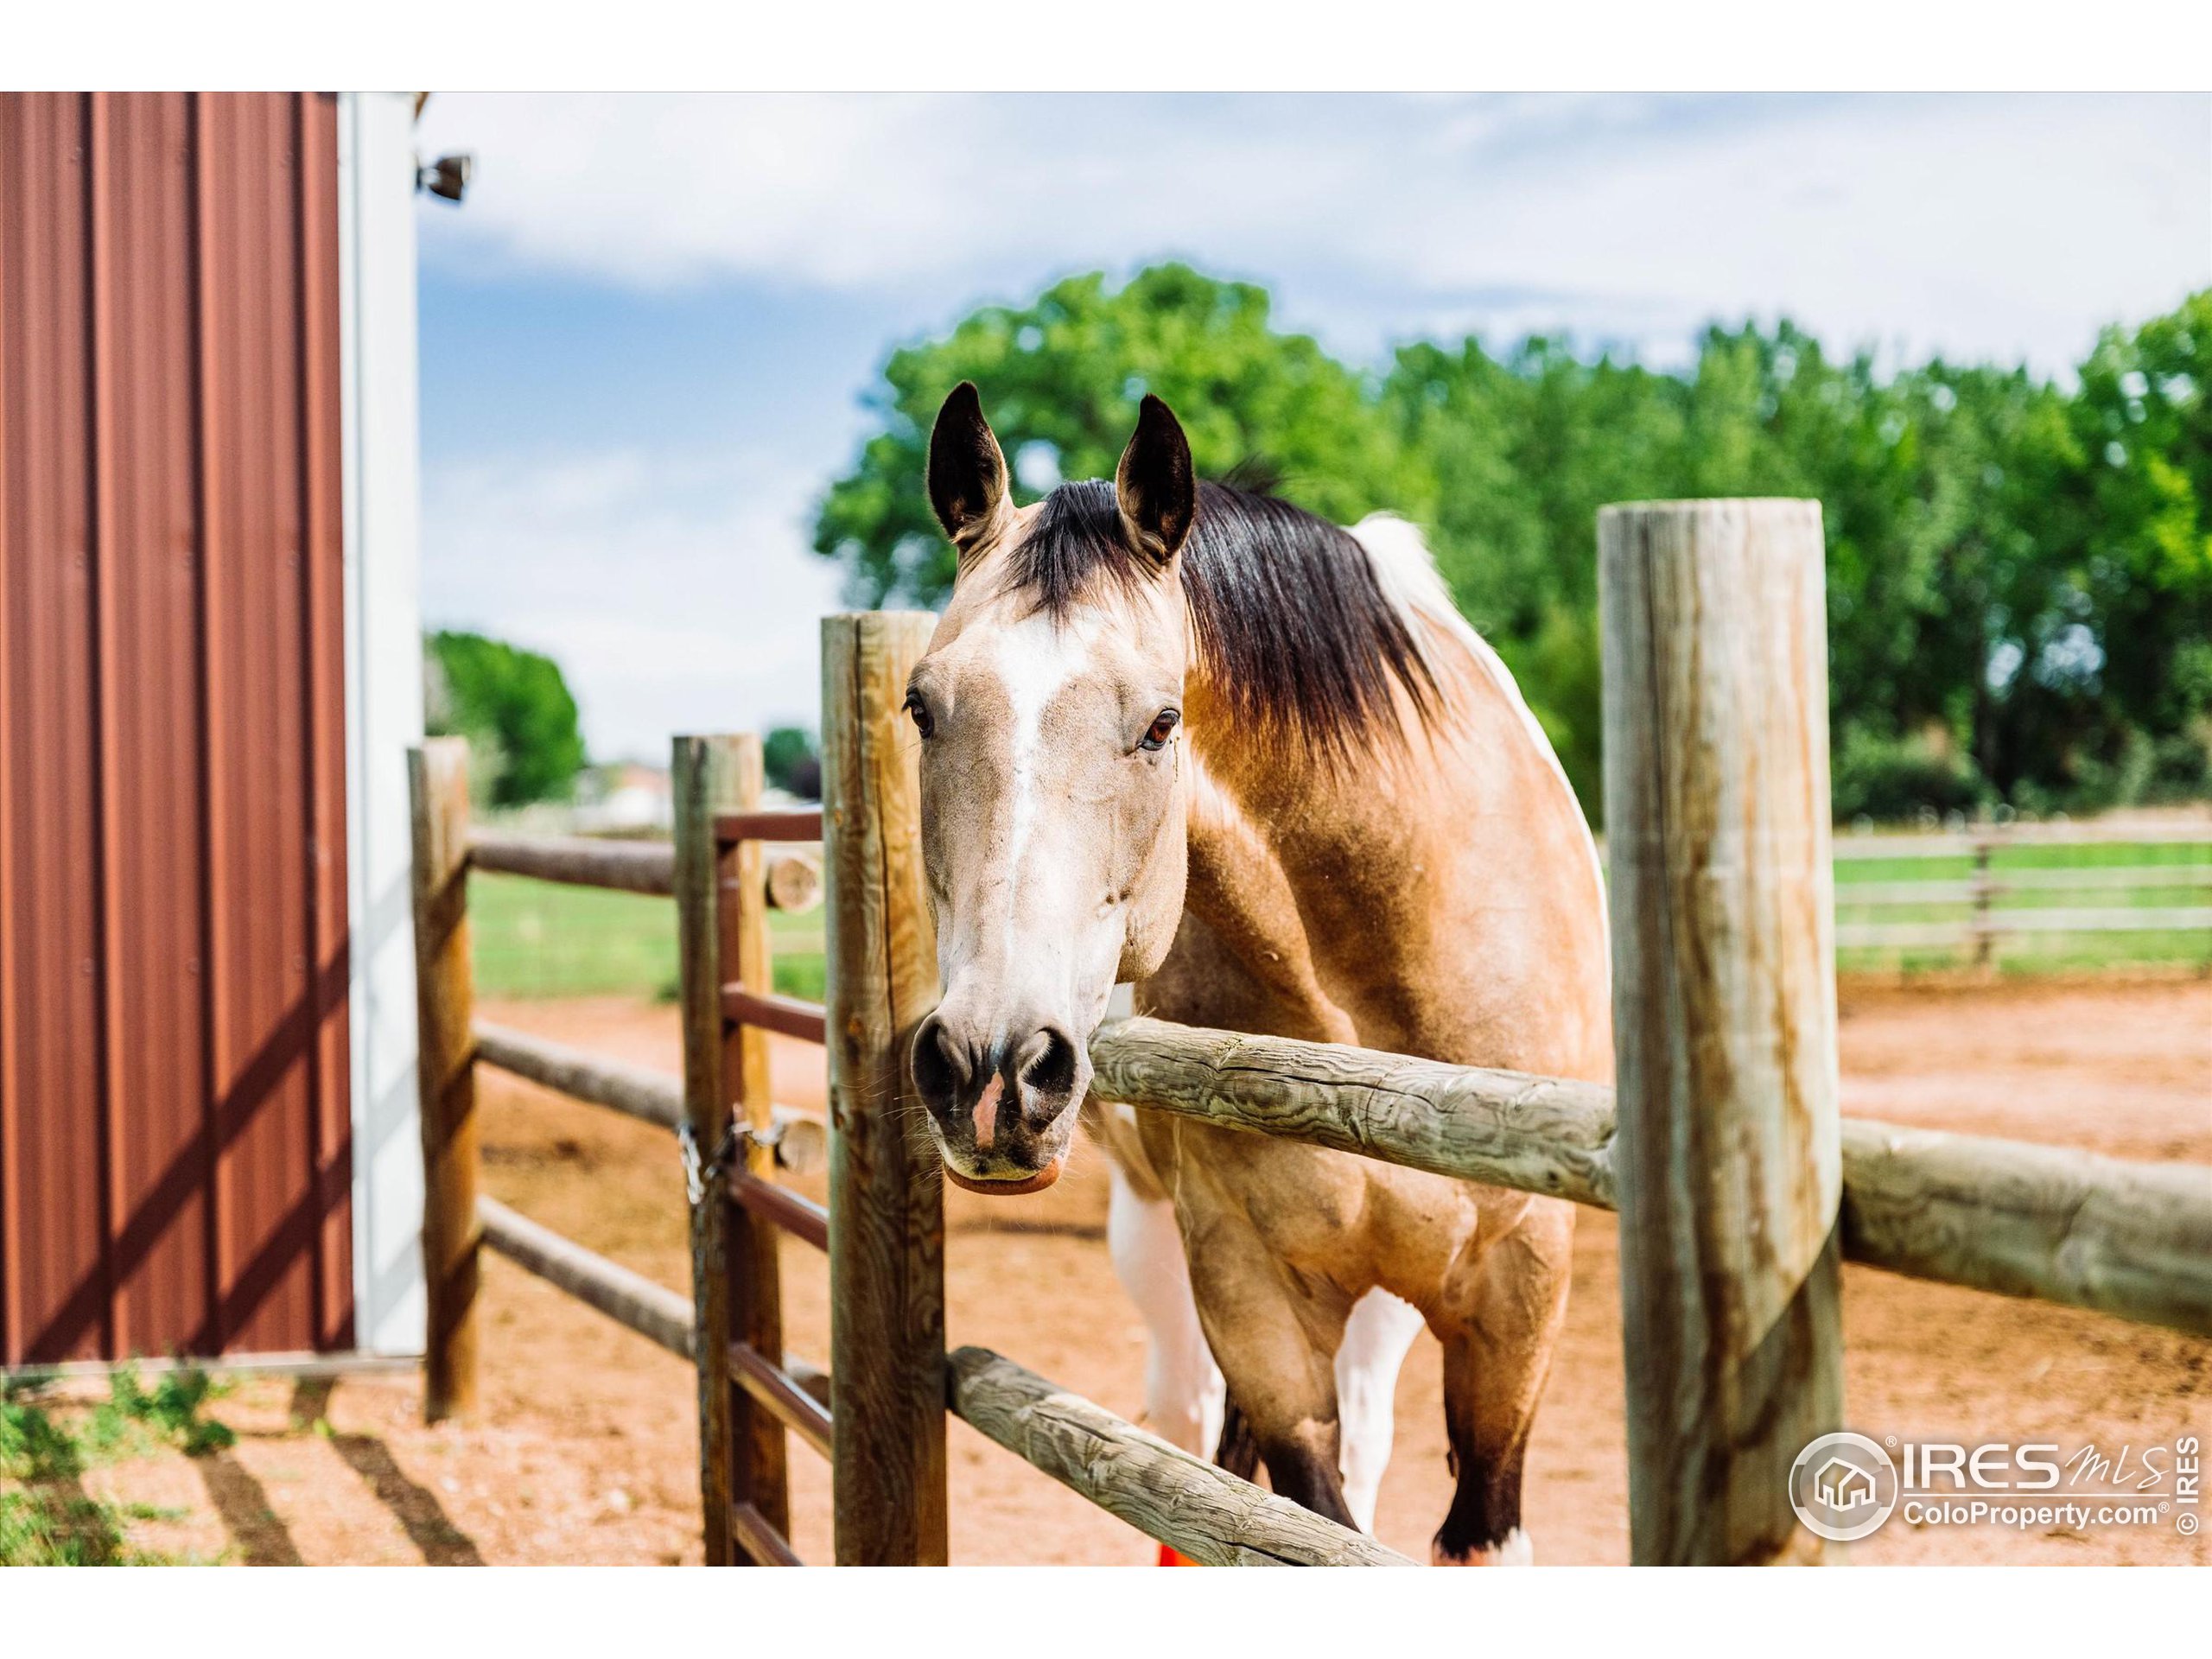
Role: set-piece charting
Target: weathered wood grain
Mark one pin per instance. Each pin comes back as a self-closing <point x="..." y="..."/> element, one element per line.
<point x="578" y="861"/>
<point x="1161" y="1489"/>
<point x="886" y="1234"/>
<point x="707" y="778"/>
<point x="794" y="881"/>
<point x="1727" y="1158"/>
<point x="1539" y="1134"/>
<point x="2132" y="1240"/>
<point x="437" y="779"/>
<point x="2128" y="1239"/>
<point x="654" y="1311"/>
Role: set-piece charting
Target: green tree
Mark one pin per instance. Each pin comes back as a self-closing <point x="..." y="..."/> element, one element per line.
<point x="792" y="761"/>
<point x="515" y="710"/>
<point x="2144" y="572"/>
<point x="2019" y="577"/>
<point x="1061" y="379"/>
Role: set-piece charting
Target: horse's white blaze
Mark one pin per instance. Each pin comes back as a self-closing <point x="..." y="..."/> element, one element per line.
<point x="1377" y="1337"/>
<point x="1035" y="659"/>
<point x="1407" y="573"/>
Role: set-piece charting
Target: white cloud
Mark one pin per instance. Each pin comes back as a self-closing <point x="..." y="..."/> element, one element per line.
<point x="1975" y="225"/>
<point x="674" y="587"/>
<point x="676" y="592"/>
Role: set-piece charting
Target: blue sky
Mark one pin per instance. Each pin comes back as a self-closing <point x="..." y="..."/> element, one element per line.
<point x="646" y="335"/>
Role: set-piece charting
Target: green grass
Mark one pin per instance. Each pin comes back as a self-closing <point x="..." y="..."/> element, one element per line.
<point x="545" y="939"/>
<point x="2033" y="953"/>
<point x="46" y="1518"/>
<point x="540" y="939"/>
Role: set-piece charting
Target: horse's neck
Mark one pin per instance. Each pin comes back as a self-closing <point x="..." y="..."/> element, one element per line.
<point x="1368" y="886"/>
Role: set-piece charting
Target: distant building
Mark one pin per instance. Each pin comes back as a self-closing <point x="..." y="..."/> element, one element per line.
<point x="626" y="799"/>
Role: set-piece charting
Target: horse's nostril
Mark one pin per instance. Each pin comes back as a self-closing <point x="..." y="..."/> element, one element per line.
<point x="1046" y="1069"/>
<point x="940" y="1065"/>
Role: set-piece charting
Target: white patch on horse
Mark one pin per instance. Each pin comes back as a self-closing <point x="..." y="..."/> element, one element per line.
<point x="1036" y="658"/>
<point x="1377" y="1337"/>
<point x="1184" y="1393"/>
<point x="1406" y="571"/>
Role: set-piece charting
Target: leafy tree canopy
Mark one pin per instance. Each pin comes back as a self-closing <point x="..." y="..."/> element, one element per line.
<point x="2020" y="576"/>
<point x="792" y="761"/>
<point x="514" y="708"/>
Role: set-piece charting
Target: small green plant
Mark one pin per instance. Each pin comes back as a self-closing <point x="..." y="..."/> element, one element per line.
<point x="171" y="1410"/>
<point x="33" y="1446"/>
<point x="46" y="1518"/>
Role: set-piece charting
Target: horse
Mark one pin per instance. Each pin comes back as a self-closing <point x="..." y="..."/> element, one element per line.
<point x="1182" y="735"/>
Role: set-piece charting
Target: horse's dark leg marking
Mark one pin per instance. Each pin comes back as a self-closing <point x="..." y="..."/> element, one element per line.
<point x="1237" y="1452"/>
<point x="1305" y="1473"/>
<point x="1497" y="1352"/>
<point x="1486" y="1504"/>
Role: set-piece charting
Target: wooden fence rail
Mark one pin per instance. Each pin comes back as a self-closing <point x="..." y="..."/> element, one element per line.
<point x="1162" y="1490"/>
<point x="652" y="1098"/>
<point x="799" y="1139"/>
<point x="647" y="867"/>
<point x="750" y="1394"/>
<point x="2131" y="1240"/>
<point x="629" y="1299"/>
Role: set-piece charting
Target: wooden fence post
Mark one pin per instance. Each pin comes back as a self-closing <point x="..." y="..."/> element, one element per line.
<point x="1984" y="889"/>
<point x="707" y="776"/>
<point x="1728" y="1155"/>
<point x="722" y="904"/>
<point x="887" y="1222"/>
<point x="445" y="999"/>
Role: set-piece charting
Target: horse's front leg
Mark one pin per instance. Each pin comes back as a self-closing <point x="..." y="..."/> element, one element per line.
<point x="1183" y="1388"/>
<point x="1274" y="1334"/>
<point x="1381" y="1330"/>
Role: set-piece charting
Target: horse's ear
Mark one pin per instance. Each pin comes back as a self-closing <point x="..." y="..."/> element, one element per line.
<point x="968" y="475"/>
<point x="1154" y="485"/>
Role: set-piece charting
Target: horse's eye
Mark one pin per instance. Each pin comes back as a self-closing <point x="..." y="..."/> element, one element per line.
<point x="924" y="722"/>
<point x="1162" y="729"/>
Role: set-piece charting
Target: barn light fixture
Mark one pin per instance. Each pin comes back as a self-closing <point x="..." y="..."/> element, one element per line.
<point x="447" y="177"/>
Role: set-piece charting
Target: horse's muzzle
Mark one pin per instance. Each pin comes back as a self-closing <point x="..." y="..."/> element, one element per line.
<point x="1002" y="1104"/>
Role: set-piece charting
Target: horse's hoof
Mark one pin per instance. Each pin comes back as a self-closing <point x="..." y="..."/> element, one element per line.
<point x="1513" y="1550"/>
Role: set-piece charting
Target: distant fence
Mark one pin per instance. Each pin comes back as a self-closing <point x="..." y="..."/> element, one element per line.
<point x="2011" y="900"/>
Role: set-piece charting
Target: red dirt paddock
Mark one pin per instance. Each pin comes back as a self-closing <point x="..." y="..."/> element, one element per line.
<point x="602" y="1468"/>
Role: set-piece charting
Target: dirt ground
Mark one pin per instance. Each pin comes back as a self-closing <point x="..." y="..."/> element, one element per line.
<point x="584" y="1451"/>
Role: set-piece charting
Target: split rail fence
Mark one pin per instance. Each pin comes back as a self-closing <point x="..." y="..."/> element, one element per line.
<point x="1994" y="902"/>
<point x="732" y="1139"/>
<point x="1740" y="1190"/>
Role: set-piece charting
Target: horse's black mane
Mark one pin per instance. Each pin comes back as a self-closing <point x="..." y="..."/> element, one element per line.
<point x="1294" y="633"/>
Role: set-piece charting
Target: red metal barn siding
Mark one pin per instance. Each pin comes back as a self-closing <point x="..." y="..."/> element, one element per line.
<point x="175" y="1166"/>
